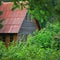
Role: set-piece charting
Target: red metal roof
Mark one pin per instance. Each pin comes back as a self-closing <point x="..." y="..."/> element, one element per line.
<point x="12" y="19"/>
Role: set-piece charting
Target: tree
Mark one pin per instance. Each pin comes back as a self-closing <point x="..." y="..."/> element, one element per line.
<point x="42" y="10"/>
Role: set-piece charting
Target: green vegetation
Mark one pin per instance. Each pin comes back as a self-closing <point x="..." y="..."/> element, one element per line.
<point x="45" y="10"/>
<point x="42" y="10"/>
<point x="44" y="44"/>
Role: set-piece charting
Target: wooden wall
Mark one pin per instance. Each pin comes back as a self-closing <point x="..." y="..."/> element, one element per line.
<point x="28" y="27"/>
<point x="6" y="38"/>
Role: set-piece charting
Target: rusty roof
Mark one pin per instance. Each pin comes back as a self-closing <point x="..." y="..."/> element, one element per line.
<point x="12" y="19"/>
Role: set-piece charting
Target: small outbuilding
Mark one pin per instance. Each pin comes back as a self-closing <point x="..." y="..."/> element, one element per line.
<point x="16" y="23"/>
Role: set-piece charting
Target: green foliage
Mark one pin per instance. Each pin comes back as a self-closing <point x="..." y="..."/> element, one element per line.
<point x="44" y="39"/>
<point x="43" y="45"/>
<point x="1" y="25"/>
<point x="53" y="26"/>
<point x="1" y="12"/>
<point x="40" y="9"/>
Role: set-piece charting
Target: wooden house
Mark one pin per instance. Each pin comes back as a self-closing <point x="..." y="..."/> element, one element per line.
<point x="16" y="23"/>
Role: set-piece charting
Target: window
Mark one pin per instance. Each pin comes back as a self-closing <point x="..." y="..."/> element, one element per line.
<point x="0" y="38"/>
<point x="3" y="38"/>
<point x="11" y="38"/>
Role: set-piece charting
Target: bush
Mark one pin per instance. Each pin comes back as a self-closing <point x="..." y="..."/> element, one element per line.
<point x="43" y="39"/>
<point x="41" y="46"/>
<point x="53" y="27"/>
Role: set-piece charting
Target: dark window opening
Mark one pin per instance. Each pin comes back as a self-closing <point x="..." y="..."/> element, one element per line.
<point x="3" y="38"/>
<point x="0" y="38"/>
<point x="11" y="38"/>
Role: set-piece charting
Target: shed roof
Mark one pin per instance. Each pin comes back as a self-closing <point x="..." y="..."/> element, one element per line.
<point x="12" y="19"/>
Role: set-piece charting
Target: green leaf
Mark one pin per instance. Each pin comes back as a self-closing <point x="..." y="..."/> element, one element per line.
<point x="1" y="26"/>
<point x="42" y="12"/>
<point x="1" y="12"/>
<point x="42" y="20"/>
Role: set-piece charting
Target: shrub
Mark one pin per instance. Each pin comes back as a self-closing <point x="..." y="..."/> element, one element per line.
<point x="41" y="46"/>
<point x="43" y="39"/>
<point x="53" y="27"/>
